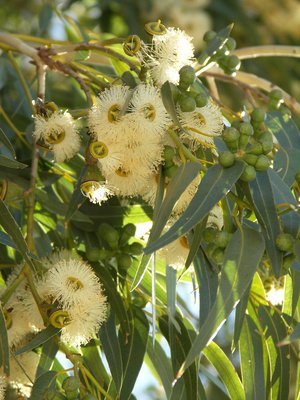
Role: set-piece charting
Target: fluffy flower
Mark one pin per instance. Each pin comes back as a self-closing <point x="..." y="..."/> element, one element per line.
<point x="59" y="132"/>
<point x="127" y="182"/>
<point x="72" y="282"/>
<point x="275" y="293"/>
<point x="96" y="192"/>
<point x="22" y="371"/>
<point x="3" y="383"/>
<point x="104" y="116"/>
<point x="203" y="124"/>
<point x="215" y="217"/>
<point x="186" y="197"/>
<point x="168" y="54"/>
<point x="148" y="110"/>
<point x="176" y="253"/>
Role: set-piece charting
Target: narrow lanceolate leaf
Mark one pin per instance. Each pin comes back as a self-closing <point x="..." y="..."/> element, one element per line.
<point x="241" y="259"/>
<point x="171" y="290"/>
<point x="180" y="181"/>
<point x="77" y="198"/>
<point x="251" y="356"/>
<point x="208" y="282"/>
<point x="286" y="164"/>
<point x="213" y="187"/>
<point x="39" y="339"/>
<point x="41" y="385"/>
<point x="167" y="98"/>
<point x="275" y="330"/>
<point x="4" y="139"/>
<point x="197" y="237"/>
<point x="133" y="348"/>
<point x="264" y="206"/>
<point x="49" y="350"/>
<point x="112" y="351"/>
<point x="12" y="228"/>
<point x="4" y="347"/>
<point x="295" y="335"/>
<point x="217" y="43"/>
<point x="9" y="163"/>
<point x="226" y="371"/>
<point x="284" y="129"/>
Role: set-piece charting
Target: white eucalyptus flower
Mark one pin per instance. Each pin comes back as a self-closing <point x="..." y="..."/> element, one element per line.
<point x="96" y="192"/>
<point x="3" y="384"/>
<point x="59" y="132"/>
<point x="203" y="124"/>
<point x="22" y="371"/>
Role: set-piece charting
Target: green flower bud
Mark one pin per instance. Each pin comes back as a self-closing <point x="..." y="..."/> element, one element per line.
<point x="170" y="171"/>
<point x="209" y="234"/>
<point x="262" y="163"/>
<point x="201" y="100"/>
<point x="209" y="36"/>
<point x="255" y="148"/>
<point x="287" y="262"/>
<point x="124" y="261"/>
<point x="210" y="249"/>
<point x="72" y="395"/>
<point x="249" y="174"/>
<point x="222" y="239"/>
<point x="226" y="159"/>
<point x="236" y="124"/>
<point x="103" y="254"/>
<point x="285" y="242"/>
<point x="246" y="129"/>
<point x="258" y="115"/>
<point x="70" y="384"/>
<point x="89" y="396"/>
<point x="233" y="62"/>
<point x="52" y="394"/>
<point x="127" y="232"/>
<point x="136" y="248"/>
<point x="93" y="254"/>
<point x="250" y="159"/>
<point x="187" y="76"/>
<point x="169" y="153"/>
<point x="276" y="94"/>
<point x="187" y="103"/>
<point x="266" y="140"/>
<point x="230" y="134"/>
<point x="230" y="44"/>
<point x="243" y="141"/>
<point x="285" y="111"/>
<point x="218" y="255"/>
<point x="108" y="233"/>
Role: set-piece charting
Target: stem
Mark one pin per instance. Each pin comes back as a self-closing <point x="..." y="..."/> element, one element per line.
<point x="93" y="379"/>
<point x="9" y="291"/>
<point x="17" y="45"/>
<point x="267" y="51"/>
<point x="22" y="80"/>
<point x="184" y="150"/>
<point x="12" y="125"/>
<point x="213" y="87"/>
<point x="228" y="225"/>
<point x="28" y="273"/>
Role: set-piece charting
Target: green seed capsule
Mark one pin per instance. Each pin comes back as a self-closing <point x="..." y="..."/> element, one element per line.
<point x="236" y="124"/>
<point x="127" y="232"/>
<point x="201" y="100"/>
<point x="187" y="75"/>
<point x="108" y="233"/>
<point x="136" y="248"/>
<point x="250" y="159"/>
<point x="266" y="140"/>
<point x="169" y="153"/>
<point x="226" y="159"/>
<point x="124" y="261"/>
<point x="222" y="239"/>
<point x="246" y="129"/>
<point x="233" y="62"/>
<point x="287" y="262"/>
<point x="285" y="242"/>
<point x="276" y="94"/>
<point x="249" y="174"/>
<point x="72" y="395"/>
<point x="70" y="384"/>
<point x="230" y="44"/>
<point x="218" y="255"/>
<point x="243" y="141"/>
<point x="52" y="394"/>
<point x="230" y="134"/>
<point x="187" y="103"/>
<point x="255" y="148"/>
<point x="210" y="249"/>
<point x="170" y="171"/>
<point x="93" y="254"/>
<point x="262" y="163"/>
<point x="209" y="234"/>
<point x="209" y="36"/>
<point x="258" y="115"/>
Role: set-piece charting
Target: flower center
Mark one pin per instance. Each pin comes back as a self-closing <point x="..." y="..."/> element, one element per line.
<point x="74" y="283"/>
<point x="149" y="112"/>
<point x="88" y="188"/>
<point x="98" y="149"/>
<point x="121" y="172"/>
<point x="113" y="113"/>
<point x="60" y="319"/>
<point x="201" y="119"/>
<point x="56" y="136"/>
<point x="184" y="242"/>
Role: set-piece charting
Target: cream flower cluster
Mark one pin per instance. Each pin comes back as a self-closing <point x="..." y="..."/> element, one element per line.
<point x="167" y="54"/>
<point x="59" y="133"/>
<point x="128" y="127"/>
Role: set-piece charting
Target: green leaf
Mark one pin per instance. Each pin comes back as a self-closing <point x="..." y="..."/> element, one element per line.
<point x="76" y="200"/>
<point x="286" y="163"/>
<point x="6" y="240"/>
<point x="263" y="202"/>
<point x="49" y="350"/>
<point x="92" y="360"/>
<point x="9" y="163"/>
<point x="12" y="228"/>
<point x="295" y="335"/>
<point x="226" y="371"/>
<point x="214" y="185"/>
<point x="274" y="329"/>
<point x="180" y="181"/>
<point x="41" y="384"/>
<point x="133" y="348"/>
<point x="284" y="129"/>
<point x="240" y="313"/>
<point x="251" y="356"/>
<point x="171" y="291"/>
<point x="162" y="365"/>
<point x="241" y="259"/>
<point x="4" y="139"/>
<point x="283" y="195"/>
<point x="112" y="351"/>
<point x="208" y="282"/>
<point x="39" y="339"/>
<point x="4" y="346"/>
<point x="167" y="98"/>
<point x="197" y="238"/>
<point x="45" y="17"/>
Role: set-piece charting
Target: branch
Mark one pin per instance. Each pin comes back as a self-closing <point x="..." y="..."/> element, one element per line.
<point x="267" y="51"/>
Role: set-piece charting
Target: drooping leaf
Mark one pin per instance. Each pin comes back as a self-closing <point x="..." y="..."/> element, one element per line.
<point x="226" y="371"/>
<point x="39" y="339"/>
<point x="76" y="200"/>
<point x="240" y="313"/>
<point x="197" y="237"/>
<point x="284" y="129"/>
<point x="214" y="185"/>
<point x="251" y="357"/>
<point x="111" y="348"/>
<point x="133" y="348"/>
<point x="263" y="202"/>
<point x="295" y="335"/>
<point x="49" y="350"/>
<point x="9" y="163"/>
<point x="4" y="346"/>
<point x="241" y="259"/>
<point x="286" y="164"/>
<point x="4" y="139"/>
<point x="274" y="331"/>
<point x="92" y="360"/>
<point x="167" y="98"/>
<point x="42" y="383"/>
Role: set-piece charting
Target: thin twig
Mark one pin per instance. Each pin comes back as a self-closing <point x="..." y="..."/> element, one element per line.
<point x="267" y="51"/>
